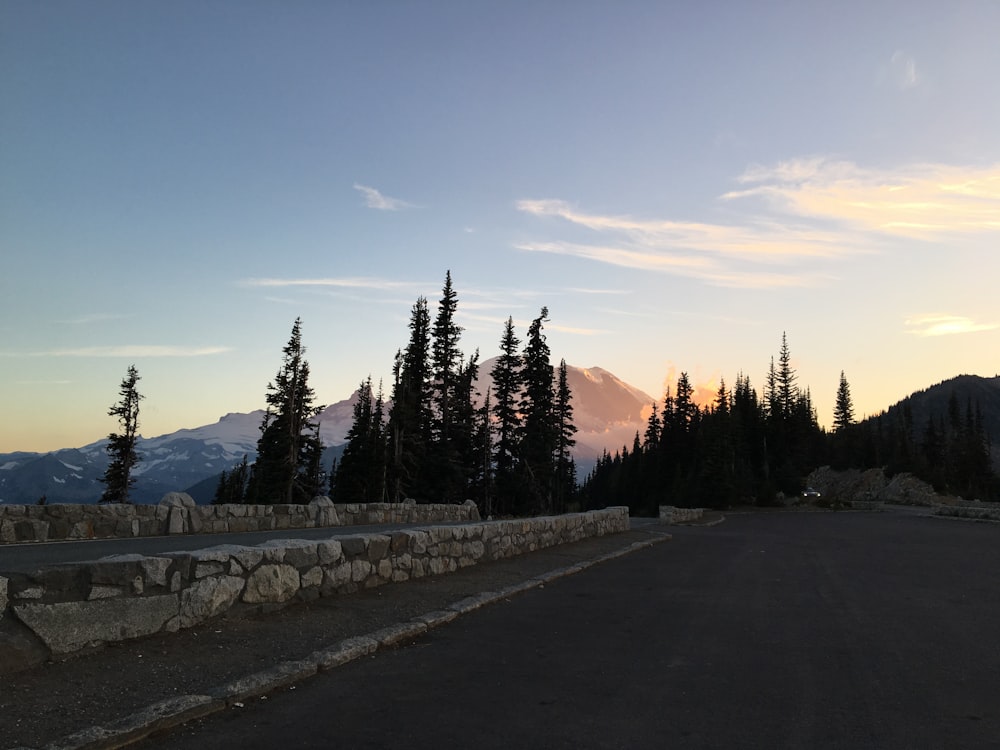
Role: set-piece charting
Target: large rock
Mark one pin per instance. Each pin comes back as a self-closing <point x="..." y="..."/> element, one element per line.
<point x="66" y="627"/>
<point x="19" y="647"/>
<point x="208" y="598"/>
<point x="272" y="584"/>
<point x="177" y="500"/>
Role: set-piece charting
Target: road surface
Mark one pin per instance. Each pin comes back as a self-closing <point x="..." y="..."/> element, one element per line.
<point x="785" y="630"/>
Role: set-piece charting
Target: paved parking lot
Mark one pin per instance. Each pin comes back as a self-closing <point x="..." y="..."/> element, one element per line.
<point x="784" y="630"/>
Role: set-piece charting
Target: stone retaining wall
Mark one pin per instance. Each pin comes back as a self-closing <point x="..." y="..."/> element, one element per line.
<point x="977" y="512"/>
<point x="671" y="514"/>
<point x="63" y="609"/>
<point x="177" y="513"/>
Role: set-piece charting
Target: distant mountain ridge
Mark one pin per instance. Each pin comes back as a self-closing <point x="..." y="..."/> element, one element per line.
<point x="607" y="412"/>
<point x="933" y="401"/>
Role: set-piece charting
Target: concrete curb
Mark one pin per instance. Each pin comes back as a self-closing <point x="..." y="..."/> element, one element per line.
<point x="174" y="712"/>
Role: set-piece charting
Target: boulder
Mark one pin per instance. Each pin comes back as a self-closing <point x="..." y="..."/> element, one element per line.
<point x="66" y="627"/>
<point x="208" y="598"/>
<point x="177" y="500"/>
<point x="272" y="584"/>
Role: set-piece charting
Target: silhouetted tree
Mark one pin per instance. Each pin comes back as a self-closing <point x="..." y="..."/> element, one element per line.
<point x="118" y="479"/>
<point x="507" y="382"/>
<point x="538" y="429"/>
<point x="288" y="448"/>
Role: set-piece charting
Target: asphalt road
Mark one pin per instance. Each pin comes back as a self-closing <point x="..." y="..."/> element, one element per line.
<point x="785" y="630"/>
<point x="26" y="557"/>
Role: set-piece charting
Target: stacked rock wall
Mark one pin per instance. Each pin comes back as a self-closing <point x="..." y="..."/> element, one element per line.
<point x="63" y="609"/>
<point x="177" y="513"/>
<point x="672" y="514"/>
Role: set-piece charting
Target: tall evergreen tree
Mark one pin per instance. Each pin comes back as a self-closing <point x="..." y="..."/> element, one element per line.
<point x="410" y="416"/>
<point x="538" y="430"/>
<point x="446" y="473"/>
<point x="360" y="471"/>
<point x="565" y="468"/>
<point x="483" y="481"/>
<point x="284" y="471"/>
<point x="118" y="479"/>
<point x="787" y="391"/>
<point x="507" y="383"/>
<point x="445" y="360"/>
<point x="843" y="410"/>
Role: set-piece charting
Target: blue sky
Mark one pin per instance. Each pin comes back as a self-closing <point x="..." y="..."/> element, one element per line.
<point x="679" y="183"/>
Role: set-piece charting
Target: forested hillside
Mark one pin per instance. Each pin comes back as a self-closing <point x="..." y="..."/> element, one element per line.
<point x="746" y="448"/>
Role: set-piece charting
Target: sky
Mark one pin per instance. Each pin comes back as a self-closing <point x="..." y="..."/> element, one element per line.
<point x="680" y="184"/>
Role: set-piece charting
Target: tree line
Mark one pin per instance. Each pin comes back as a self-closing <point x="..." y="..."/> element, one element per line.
<point x="435" y="438"/>
<point x="745" y="448"/>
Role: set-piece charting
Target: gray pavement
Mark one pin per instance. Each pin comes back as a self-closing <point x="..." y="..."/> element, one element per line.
<point x="782" y="630"/>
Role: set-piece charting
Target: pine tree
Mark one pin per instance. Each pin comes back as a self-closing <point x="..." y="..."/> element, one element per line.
<point x="118" y="479"/>
<point x="483" y="483"/>
<point x="445" y="358"/>
<point x="507" y="383"/>
<point x="284" y="471"/>
<point x="843" y="411"/>
<point x="565" y="469"/>
<point x="464" y="452"/>
<point x="446" y="473"/>
<point x="359" y="477"/>
<point x="538" y="430"/>
<point x="787" y="392"/>
<point x="410" y="416"/>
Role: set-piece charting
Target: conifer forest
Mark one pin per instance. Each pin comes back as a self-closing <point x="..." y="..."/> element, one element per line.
<point x="434" y="438"/>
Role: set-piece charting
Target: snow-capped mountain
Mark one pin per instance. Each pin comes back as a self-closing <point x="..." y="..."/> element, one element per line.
<point x="607" y="413"/>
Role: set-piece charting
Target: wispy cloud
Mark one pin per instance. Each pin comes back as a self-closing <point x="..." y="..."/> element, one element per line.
<point x="359" y="282"/>
<point x="946" y="325"/>
<point x="726" y="256"/>
<point x="136" y="351"/>
<point x="375" y="199"/>
<point x="926" y="201"/>
<point x="788" y="223"/>
<point x="370" y="290"/>
<point x="91" y="318"/>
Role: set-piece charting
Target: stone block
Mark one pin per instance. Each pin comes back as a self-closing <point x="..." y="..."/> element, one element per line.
<point x="177" y="522"/>
<point x="272" y="583"/>
<point x="31" y="530"/>
<point x="208" y="598"/>
<point x="360" y="570"/>
<point x="354" y="546"/>
<point x="115" y="569"/>
<point x="206" y="569"/>
<point x="337" y="576"/>
<point x="177" y="500"/>
<point x="300" y="553"/>
<point x="104" y="592"/>
<point x="66" y="627"/>
<point x="312" y="577"/>
<point x="378" y="547"/>
<point x="329" y="551"/>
